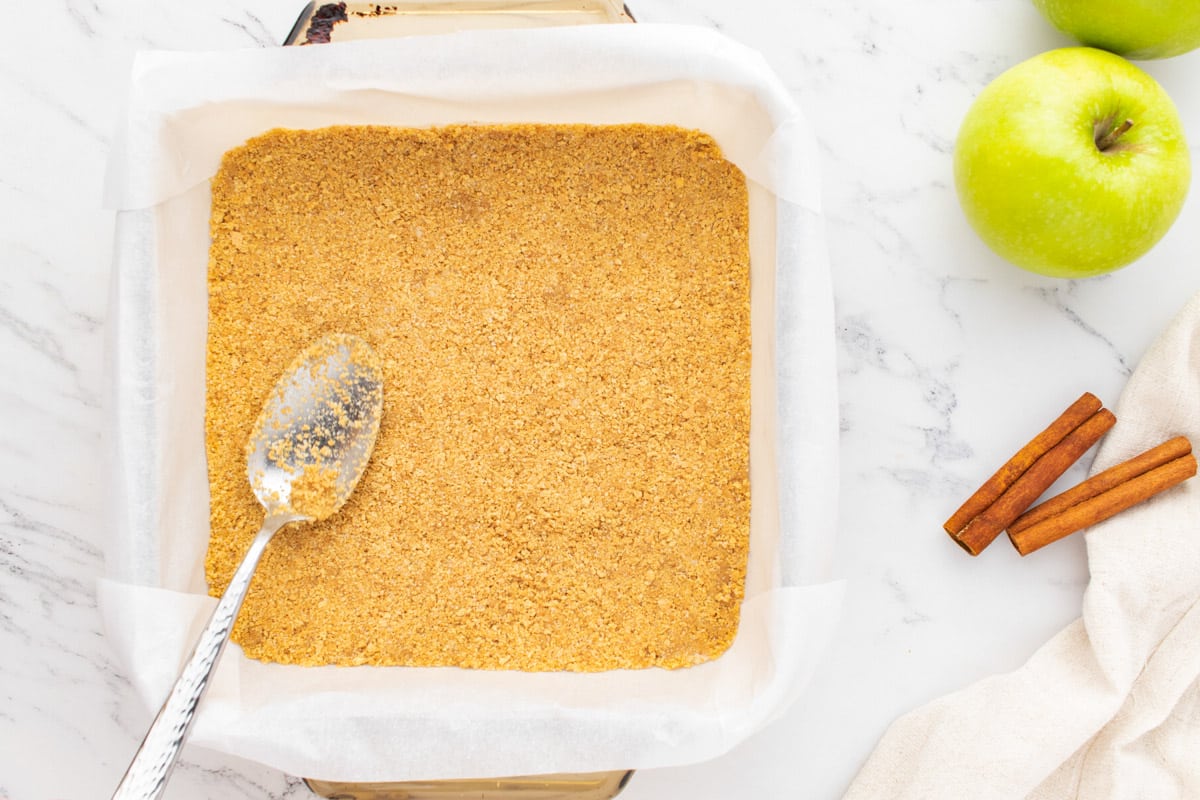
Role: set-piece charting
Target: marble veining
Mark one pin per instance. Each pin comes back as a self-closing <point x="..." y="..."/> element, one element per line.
<point x="947" y="357"/>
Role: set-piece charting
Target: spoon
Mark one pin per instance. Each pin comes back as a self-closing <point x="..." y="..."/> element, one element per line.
<point x="308" y="449"/>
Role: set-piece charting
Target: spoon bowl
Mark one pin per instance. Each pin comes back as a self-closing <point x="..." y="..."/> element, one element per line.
<point x="317" y="429"/>
<point x="308" y="449"/>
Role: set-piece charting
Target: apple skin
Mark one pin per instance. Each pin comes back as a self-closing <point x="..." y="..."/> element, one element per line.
<point x="1037" y="188"/>
<point x="1138" y="29"/>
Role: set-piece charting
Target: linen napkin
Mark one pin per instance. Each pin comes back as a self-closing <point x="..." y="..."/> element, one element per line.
<point x="1110" y="707"/>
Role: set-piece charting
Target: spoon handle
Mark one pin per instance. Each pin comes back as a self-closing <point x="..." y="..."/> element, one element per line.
<point x="147" y="774"/>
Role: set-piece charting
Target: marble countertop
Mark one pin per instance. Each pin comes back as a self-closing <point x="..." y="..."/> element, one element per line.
<point x="947" y="358"/>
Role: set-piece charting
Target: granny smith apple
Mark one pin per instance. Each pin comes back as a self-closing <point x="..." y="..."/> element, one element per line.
<point x="1132" y="28"/>
<point x="1072" y="163"/>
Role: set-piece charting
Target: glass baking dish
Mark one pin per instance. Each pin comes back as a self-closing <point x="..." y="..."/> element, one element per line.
<point x="326" y="22"/>
<point x="576" y="786"/>
<point x="187" y="110"/>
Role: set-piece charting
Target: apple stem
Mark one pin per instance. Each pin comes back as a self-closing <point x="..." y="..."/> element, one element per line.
<point x="1112" y="135"/>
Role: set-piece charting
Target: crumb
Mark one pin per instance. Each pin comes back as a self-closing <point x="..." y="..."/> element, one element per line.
<point x="562" y="312"/>
<point x="315" y="492"/>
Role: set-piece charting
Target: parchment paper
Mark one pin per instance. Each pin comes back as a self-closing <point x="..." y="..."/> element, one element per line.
<point x="374" y="724"/>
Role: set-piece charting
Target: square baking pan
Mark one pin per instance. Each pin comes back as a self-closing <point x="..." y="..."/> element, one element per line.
<point x="186" y="110"/>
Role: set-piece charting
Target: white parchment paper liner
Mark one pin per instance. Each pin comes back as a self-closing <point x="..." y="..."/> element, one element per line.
<point x="375" y="724"/>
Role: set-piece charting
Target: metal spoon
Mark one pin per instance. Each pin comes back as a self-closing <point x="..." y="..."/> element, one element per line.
<point x="308" y="449"/>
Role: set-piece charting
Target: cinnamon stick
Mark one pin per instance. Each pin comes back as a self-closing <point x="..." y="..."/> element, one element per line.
<point x="1078" y="413"/>
<point x="987" y="525"/>
<point x="1101" y="482"/>
<point x="1093" y="506"/>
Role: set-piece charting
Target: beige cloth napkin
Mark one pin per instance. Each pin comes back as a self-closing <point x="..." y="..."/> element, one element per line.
<point x="1110" y="707"/>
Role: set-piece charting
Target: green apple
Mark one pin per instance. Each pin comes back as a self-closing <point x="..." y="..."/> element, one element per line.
<point x="1072" y="163"/>
<point x="1132" y="28"/>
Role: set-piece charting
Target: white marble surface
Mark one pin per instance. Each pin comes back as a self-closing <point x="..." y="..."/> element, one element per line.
<point x="947" y="357"/>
